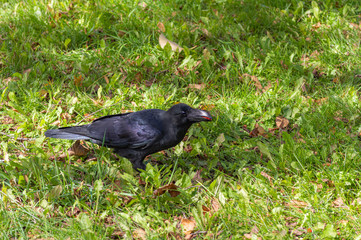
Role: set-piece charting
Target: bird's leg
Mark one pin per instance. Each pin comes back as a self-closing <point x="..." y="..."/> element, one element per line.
<point x="135" y="158"/>
<point x="137" y="164"/>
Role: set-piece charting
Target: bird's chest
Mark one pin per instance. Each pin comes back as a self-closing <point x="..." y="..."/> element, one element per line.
<point x="175" y="136"/>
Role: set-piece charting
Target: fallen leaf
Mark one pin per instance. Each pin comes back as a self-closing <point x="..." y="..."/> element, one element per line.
<point x="338" y="203"/>
<point x="256" y="83"/>
<point x="118" y="234"/>
<point x="316" y="26"/>
<point x="79" y="148"/>
<point x="139" y="234"/>
<point x="188" y="226"/>
<point x="169" y="187"/>
<point x="43" y="93"/>
<point x="7" y="80"/>
<point x="330" y="183"/>
<point x="197" y="177"/>
<point x="298" y="232"/>
<point x="267" y="176"/>
<point x="206" y="32"/>
<point x="196" y="86"/>
<point x="138" y="77"/>
<point x="176" y="236"/>
<point x="78" y="80"/>
<point x="343" y="222"/>
<point x="66" y="116"/>
<point x="161" y="27"/>
<point x="27" y="71"/>
<point x="56" y="123"/>
<point x="163" y="41"/>
<point x="258" y="131"/>
<point x="205" y="209"/>
<point x="255" y="230"/>
<point x="7" y="120"/>
<point x="297" y="204"/>
<point x="106" y="79"/>
<point x="215" y="204"/>
<point x="248" y="236"/>
<point x="282" y="122"/>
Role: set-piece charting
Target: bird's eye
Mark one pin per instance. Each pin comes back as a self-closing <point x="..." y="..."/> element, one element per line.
<point x="183" y="113"/>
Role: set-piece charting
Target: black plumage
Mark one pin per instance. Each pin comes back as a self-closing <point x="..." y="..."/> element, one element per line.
<point x="137" y="134"/>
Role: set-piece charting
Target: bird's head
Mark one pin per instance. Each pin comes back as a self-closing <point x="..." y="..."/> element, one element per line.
<point x="188" y="115"/>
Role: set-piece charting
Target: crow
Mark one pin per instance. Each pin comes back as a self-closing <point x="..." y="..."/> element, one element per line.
<point x="136" y="135"/>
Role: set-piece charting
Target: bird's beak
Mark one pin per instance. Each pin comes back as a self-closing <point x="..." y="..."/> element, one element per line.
<point x="197" y="115"/>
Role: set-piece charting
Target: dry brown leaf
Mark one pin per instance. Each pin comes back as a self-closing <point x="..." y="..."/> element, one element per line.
<point x="138" y="77"/>
<point x="117" y="234"/>
<point x="282" y="122"/>
<point x="43" y="93"/>
<point x="196" y="86"/>
<point x="188" y="227"/>
<point x="171" y="188"/>
<point x="139" y="234"/>
<point x="257" y="83"/>
<point x="338" y="203"/>
<point x="248" y="236"/>
<point x="255" y="230"/>
<point x="215" y="204"/>
<point x="27" y="71"/>
<point x="78" y="80"/>
<point x="161" y="27"/>
<point x="7" y="120"/>
<point x="206" y="32"/>
<point x="106" y="79"/>
<point x="205" y="209"/>
<point x="298" y="232"/>
<point x="79" y="148"/>
<point x="330" y="183"/>
<point x="7" y="80"/>
<point x="163" y="41"/>
<point x="197" y="177"/>
<point x="258" y="131"/>
<point x="267" y="176"/>
<point x="66" y="116"/>
<point x="56" y="123"/>
<point x="297" y="204"/>
<point x="319" y="187"/>
<point x="291" y="224"/>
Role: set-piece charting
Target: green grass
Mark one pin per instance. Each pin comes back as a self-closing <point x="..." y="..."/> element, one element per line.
<point x="65" y="62"/>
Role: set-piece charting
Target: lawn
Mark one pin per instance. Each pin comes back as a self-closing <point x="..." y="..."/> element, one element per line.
<point x="280" y="160"/>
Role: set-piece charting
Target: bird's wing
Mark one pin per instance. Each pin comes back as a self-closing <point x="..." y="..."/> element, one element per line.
<point x="121" y="131"/>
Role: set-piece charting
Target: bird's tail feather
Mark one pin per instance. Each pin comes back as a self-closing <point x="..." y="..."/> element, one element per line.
<point x="71" y="133"/>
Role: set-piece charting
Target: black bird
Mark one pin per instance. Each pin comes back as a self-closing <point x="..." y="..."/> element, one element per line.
<point x="136" y="135"/>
